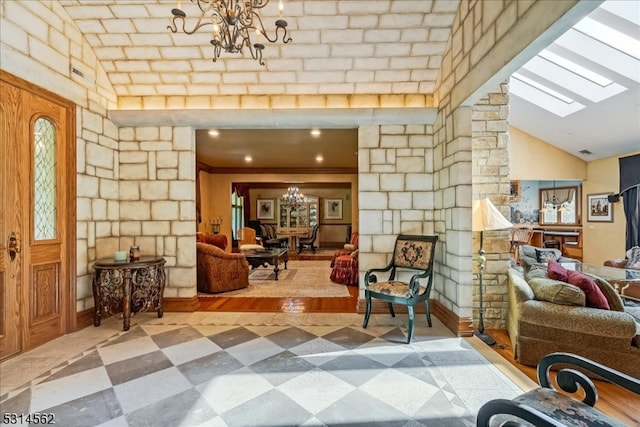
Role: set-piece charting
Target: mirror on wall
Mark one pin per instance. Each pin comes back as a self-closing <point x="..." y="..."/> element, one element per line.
<point x="560" y="205"/>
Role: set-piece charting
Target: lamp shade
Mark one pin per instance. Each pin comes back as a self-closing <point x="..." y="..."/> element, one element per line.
<point x="486" y="216"/>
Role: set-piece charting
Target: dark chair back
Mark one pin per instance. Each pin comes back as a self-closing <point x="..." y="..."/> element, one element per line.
<point x="415" y="252"/>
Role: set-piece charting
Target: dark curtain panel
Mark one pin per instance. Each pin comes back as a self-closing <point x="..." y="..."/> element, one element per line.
<point x="631" y="202"/>
<point x="242" y="190"/>
<point x="629" y="172"/>
<point x="198" y="201"/>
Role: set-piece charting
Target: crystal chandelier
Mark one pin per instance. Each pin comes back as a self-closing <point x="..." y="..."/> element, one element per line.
<point x="293" y="198"/>
<point x="233" y="22"/>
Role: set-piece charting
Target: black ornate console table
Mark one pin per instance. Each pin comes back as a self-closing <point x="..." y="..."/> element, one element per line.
<point x="128" y="287"/>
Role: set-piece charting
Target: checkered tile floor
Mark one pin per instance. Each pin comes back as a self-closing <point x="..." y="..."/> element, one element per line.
<point x="198" y="374"/>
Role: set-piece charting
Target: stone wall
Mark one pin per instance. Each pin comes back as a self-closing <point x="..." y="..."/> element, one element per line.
<point x="395" y="176"/>
<point x="491" y="179"/>
<point x="157" y="200"/>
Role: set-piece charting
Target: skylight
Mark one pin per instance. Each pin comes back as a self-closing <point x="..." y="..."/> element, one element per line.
<point x="608" y="35"/>
<point x="586" y="64"/>
<point x="575" y="68"/>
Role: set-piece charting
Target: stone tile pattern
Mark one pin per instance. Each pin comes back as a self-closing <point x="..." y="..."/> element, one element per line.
<point x="383" y="47"/>
<point x="244" y="375"/>
<point x="157" y="200"/>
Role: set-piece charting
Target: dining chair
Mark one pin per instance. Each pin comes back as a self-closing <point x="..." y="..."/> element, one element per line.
<point x="520" y="235"/>
<point x="309" y="242"/>
<point x="413" y="257"/>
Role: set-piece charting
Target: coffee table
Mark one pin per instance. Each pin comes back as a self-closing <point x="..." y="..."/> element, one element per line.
<point x="264" y="257"/>
<point x="625" y="281"/>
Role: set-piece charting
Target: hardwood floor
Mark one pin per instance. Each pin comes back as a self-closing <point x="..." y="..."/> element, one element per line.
<point x="613" y="401"/>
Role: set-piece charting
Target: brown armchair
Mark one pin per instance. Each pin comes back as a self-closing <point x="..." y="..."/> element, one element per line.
<point x="220" y="271"/>
<point x="622" y="262"/>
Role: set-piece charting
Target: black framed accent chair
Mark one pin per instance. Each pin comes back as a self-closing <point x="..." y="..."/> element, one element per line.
<point x="548" y="406"/>
<point x="412" y="255"/>
<point x="309" y="242"/>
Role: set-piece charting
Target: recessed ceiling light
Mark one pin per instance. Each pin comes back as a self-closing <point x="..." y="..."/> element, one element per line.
<point x="315" y="133"/>
<point x="214" y="132"/>
<point x="247" y="158"/>
<point x="319" y="159"/>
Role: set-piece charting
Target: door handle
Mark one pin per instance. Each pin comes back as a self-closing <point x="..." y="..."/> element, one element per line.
<point x="13" y="246"/>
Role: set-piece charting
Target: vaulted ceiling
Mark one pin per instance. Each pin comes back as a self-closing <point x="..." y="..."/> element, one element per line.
<point x="344" y="47"/>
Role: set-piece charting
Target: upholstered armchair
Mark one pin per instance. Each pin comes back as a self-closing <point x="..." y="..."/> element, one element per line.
<point x="633" y="253"/>
<point x="220" y="271"/>
<point x="345" y="269"/>
<point x="219" y="240"/>
<point x="247" y="239"/>
<point x="348" y="248"/>
<point x="412" y="258"/>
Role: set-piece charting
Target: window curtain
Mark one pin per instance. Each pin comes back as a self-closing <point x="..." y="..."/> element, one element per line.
<point x="558" y="196"/>
<point x="629" y="186"/>
<point x="242" y="190"/>
<point x="631" y="204"/>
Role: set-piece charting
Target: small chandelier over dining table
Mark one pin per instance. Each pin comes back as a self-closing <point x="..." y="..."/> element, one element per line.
<point x="233" y="23"/>
<point x="293" y="198"/>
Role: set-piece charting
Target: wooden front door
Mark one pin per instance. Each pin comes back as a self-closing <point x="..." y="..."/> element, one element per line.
<point x="36" y="221"/>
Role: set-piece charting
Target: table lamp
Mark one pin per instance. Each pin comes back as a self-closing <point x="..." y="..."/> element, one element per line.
<point x="485" y="216"/>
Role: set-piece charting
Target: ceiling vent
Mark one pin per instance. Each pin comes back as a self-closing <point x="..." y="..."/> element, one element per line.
<point x="585" y="152"/>
<point x="82" y="76"/>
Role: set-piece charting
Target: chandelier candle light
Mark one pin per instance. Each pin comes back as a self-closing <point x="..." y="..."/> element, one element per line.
<point x="485" y="217"/>
<point x="293" y="197"/>
<point x="233" y="23"/>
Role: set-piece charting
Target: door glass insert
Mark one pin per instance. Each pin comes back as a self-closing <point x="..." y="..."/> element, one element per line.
<point x="44" y="191"/>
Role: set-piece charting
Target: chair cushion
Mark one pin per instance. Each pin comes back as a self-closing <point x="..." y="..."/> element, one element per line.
<point x="393" y="288"/>
<point x="565" y="409"/>
<point x="557" y="292"/>
<point x="594" y="296"/>
<point x="634" y="258"/>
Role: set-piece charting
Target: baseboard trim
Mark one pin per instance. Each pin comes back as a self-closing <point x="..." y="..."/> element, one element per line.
<point x="181" y="304"/>
<point x="461" y="326"/>
<point x="84" y="319"/>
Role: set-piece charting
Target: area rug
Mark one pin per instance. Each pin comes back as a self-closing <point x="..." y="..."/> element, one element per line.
<point x="207" y="369"/>
<point x="300" y="279"/>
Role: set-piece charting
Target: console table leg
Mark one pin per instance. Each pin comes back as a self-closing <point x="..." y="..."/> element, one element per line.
<point x="126" y="303"/>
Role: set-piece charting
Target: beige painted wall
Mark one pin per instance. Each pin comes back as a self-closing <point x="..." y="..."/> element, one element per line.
<point x="531" y="158"/>
<point x="604" y="240"/>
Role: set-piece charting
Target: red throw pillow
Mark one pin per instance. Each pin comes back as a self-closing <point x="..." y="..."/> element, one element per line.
<point x="595" y="297"/>
<point x="557" y="272"/>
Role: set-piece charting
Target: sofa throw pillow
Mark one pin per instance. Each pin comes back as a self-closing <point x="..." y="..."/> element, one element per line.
<point x="613" y="298"/>
<point x="634" y="259"/>
<point x="594" y="296"/>
<point x="546" y="255"/>
<point x="557" y="272"/>
<point x="557" y="292"/>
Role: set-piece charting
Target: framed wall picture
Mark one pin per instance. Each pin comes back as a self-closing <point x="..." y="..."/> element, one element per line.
<point x="514" y="195"/>
<point x="265" y="209"/>
<point x="598" y="208"/>
<point x="332" y="208"/>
